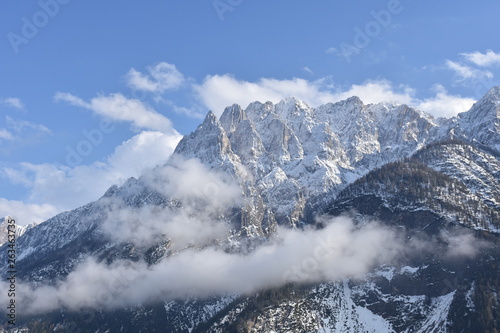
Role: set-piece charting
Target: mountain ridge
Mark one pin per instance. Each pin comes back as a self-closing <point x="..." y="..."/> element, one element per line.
<point x="288" y="162"/>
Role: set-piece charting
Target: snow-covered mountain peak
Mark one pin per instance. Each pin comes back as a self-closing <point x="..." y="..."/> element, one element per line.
<point x="231" y="117"/>
<point x="493" y="94"/>
<point x="291" y="104"/>
<point x="209" y="143"/>
<point x="482" y="122"/>
<point x="353" y="102"/>
<point x="315" y="149"/>
<point x="257" y="110"/>
<point x="486" y="107"/>
<point x="210" y="120"/>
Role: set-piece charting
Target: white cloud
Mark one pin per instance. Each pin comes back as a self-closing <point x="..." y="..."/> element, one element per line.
<point x="118" y="107"/>
<point x="13" y="102"/>
<point x="340" y="250"/>
<point x="65" y="188"/>
<point x="195" y="111"/>
<point x="204" y="195"/>
<point x="143" y="151"/>
<point x="5" y="135"/>
<point x="163" y="76"/>
<point x="333" y="50"/>
<point x="445" y="105"/>
<point x="22" y="125"/>
<point x="464" y="72"/>
<point x="23" y="131"/>
<point x="377" y="91"/>
<point x="218" y="92"/>
<point x="308" y="70"/>
<point x="487" y="59"/>
<point x="440" y="105"/>
<point x="25" y="213"/>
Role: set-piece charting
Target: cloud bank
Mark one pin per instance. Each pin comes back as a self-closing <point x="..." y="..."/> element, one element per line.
<point x="219" y="91"/>
<point x="340" y="250"/>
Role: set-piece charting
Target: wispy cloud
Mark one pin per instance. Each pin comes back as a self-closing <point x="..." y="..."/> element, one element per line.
<point x="487" y="59"/>
<point x="159" y="78"/>
<point x="195" y="111"/>
<point x="5" y="135"/>
<point x="308" y="70"/>
<point x="338" y="251"/>
<point x="475" y="70"/>
<point x="464" y="72"/>
<point x="22" y="125"/>
<point x="23" y="131"/>
<point x="13" y="102"/>
<point x="120" y="108"/>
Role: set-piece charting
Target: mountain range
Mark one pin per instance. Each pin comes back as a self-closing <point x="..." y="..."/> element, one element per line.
<point x="227" y="236"/>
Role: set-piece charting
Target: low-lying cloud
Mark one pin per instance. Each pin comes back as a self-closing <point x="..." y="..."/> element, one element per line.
<point x="199" y="199"/>
<point x="340" y="250"/>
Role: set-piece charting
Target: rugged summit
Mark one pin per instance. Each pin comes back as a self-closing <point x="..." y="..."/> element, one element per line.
<point x="481" y="123"/>
<point x="287" y="153"/>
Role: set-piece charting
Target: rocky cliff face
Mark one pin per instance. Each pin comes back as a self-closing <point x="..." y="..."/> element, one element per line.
<point x="287" y="153"/>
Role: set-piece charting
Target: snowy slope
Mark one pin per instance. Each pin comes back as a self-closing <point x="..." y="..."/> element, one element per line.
<point x="476" y="168"/>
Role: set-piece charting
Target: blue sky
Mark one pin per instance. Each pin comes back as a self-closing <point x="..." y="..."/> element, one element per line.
<point x="93" y="92"/>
